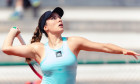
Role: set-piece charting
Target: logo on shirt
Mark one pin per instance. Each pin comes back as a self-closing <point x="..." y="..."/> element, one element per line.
<point x="58" y="54"/>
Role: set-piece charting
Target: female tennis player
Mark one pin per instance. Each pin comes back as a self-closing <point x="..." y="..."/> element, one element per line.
<point x="58" y="56"/>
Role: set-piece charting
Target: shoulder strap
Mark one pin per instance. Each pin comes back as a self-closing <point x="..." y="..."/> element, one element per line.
<point x="64" y="39"/>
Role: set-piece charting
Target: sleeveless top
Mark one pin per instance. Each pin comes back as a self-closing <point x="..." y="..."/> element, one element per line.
<point x="59" y="66"/>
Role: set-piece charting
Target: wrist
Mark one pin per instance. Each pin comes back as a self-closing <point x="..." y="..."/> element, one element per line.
<point x="124" y="51"/>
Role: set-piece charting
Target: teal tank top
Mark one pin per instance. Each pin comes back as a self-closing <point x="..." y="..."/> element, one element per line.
<point x="59" y="66"/>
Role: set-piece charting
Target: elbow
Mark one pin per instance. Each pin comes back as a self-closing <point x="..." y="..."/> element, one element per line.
<point x="3" y="50"/>
<point x="6" y="50"/>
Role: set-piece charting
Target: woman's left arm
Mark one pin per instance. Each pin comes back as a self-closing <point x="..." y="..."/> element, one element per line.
<point x="87" y="45"/>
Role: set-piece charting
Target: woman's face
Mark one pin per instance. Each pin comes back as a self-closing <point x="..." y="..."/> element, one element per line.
<point x="54" y="24"/>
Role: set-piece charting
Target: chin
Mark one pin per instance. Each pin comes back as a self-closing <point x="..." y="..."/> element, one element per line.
<point x="62" y="31"/>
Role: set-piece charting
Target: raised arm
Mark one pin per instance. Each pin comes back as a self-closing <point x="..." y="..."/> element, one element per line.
<point x="87" y="45"/>
<point x="23" y="50"/>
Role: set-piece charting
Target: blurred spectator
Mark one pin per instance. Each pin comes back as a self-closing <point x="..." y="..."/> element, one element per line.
<point x="20" y="5"/>
<point x="9" y="3"/>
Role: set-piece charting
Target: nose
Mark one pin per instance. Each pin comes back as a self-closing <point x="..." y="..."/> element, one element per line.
<point x="59" y="19"/>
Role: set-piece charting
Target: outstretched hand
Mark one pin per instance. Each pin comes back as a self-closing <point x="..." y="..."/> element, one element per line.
<point x="128" y="52"/>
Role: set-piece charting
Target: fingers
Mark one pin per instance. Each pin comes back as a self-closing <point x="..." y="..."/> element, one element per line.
<point x="134" y="54"/>
<point x="15" y="30"/>
<point x="18" y="30"/>
<point x="135" y="57"/>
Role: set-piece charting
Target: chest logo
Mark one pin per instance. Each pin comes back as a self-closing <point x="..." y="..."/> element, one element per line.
<point x="58" y="54"/>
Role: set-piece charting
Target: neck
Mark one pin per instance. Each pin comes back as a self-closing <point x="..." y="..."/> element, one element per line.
<point x="55" y="41"/>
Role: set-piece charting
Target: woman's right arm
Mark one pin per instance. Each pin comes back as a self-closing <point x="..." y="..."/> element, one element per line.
<point x="22" y="51"/>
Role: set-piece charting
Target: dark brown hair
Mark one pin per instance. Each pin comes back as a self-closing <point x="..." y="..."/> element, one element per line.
<point x="37" y="35"/>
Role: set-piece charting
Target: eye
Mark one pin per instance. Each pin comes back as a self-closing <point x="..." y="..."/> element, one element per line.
<point x="59" y="17"/>
<point x="53" y="18"/>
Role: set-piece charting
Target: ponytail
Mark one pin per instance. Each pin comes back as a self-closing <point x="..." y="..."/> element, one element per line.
<point x="36" y="38"/>
<point x="37" y="35"/>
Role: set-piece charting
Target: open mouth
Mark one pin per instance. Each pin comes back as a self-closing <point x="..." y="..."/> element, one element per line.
<point x="61" y="25"/>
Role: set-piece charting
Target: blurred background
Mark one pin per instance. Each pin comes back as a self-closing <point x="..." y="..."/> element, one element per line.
<point x="104" y="21"/>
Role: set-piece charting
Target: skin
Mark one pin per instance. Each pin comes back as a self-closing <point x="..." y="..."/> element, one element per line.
<point x="37" y="51"/>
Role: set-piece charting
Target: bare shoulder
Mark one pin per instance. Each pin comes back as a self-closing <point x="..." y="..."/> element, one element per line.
<point x="74" y="42"/>
<point x="37" y="45"/>
<point x="39" y="50"/>
<point x="76" y="39"/>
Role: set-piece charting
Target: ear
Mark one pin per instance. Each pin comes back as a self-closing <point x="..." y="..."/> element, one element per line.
<point x="45" y="28"/>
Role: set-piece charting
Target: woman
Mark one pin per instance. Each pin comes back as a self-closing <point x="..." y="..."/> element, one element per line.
<point x="58" y="57"/>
